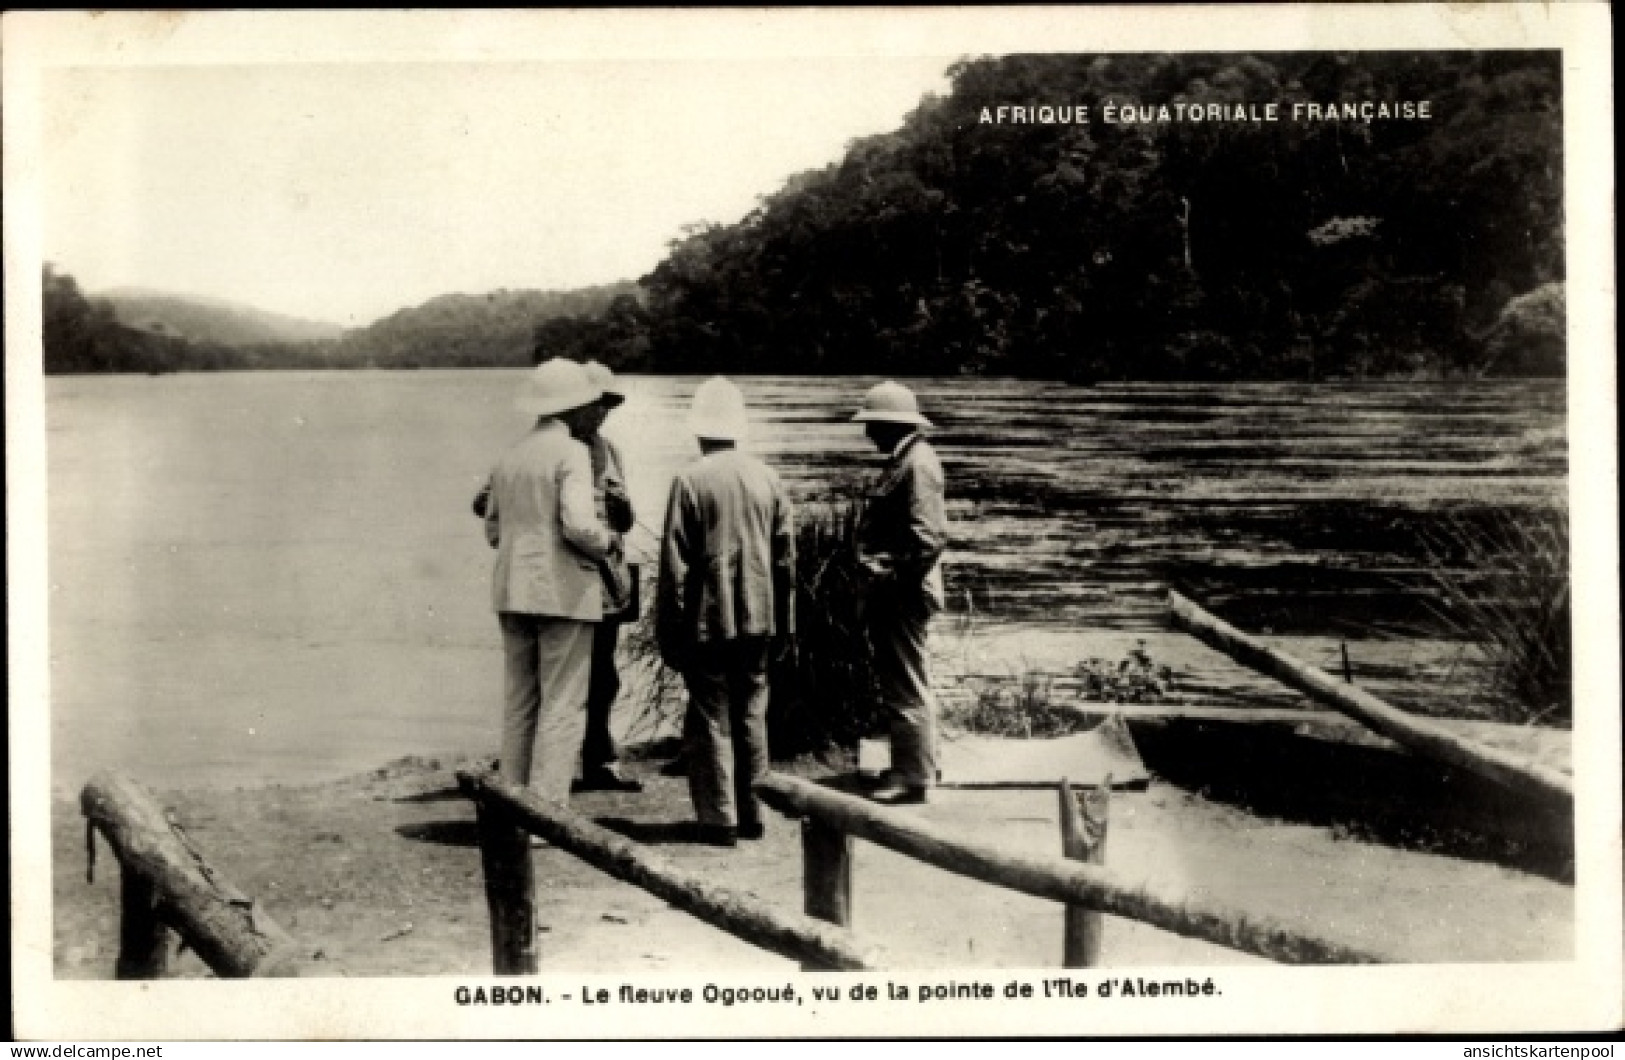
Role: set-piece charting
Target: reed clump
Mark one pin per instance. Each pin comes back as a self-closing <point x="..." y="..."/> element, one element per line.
<point x="824" y="692"/>
<point x="1501" y="581"/>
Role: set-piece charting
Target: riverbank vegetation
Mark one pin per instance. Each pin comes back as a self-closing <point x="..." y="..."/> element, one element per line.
<point x="980" y="239"/>
<point x="1502" y="583"/>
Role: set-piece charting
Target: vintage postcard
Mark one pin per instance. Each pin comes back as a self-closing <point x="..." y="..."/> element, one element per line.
<point x="1054" y="521"/>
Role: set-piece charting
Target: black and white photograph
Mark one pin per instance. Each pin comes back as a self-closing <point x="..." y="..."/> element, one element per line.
<point x="932" y="522"/>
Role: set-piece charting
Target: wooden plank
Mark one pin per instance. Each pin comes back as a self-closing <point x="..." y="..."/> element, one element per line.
<point x="1208" y="712"/>
<point x="229" y="931"/>
<point x="1055" y="878"/>
<point x="1083" y="838"/>
<point x="796" y="936"/>
<point x="1417" y="734"/>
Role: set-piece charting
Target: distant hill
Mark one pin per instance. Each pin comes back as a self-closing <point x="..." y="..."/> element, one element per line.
<point x="468" y="330"/>
<point x="139" y="330"/>
<point x="211" y="320"/>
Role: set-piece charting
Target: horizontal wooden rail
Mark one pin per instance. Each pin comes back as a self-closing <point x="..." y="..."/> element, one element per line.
<point x="167" y="884"/>
<point x="1418" y="734"/>
<point x="802" y="938"/>
<point x="1054" y="878"/>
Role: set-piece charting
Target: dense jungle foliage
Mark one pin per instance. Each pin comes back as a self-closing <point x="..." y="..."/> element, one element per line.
<point x="1300" y="248"/>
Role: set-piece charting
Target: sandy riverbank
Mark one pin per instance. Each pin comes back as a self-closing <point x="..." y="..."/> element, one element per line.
<point x="380" y="874"/>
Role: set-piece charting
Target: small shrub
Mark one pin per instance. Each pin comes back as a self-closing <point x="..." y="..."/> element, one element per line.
<point x="1136" y="678"/>
<point x="1502" y="586"/>
<point x="1031" y="706"/>
<point x="1025" y="709"/>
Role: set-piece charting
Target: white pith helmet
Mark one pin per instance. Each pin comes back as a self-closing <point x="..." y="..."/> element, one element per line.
<point x="604" y="380"/>
<point x="718" y="411"/>
<point x="557" y="385"/>
<point x="891" y="402"/>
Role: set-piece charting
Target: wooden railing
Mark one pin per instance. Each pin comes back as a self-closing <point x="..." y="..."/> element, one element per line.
<point x="168" y="888"/>
<point x="1417" y="734"/>
<point x="831" y="819"/>
<point x="509" y="814"/>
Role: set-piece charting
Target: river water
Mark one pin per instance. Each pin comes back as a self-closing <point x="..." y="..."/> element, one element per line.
<point x="275" y="576"/>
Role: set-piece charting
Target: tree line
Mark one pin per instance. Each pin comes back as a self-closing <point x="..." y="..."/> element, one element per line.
<point x="1215" y="249"/>
<point x="1155" y="250"/>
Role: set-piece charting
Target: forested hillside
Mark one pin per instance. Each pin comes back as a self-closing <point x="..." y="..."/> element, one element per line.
<point x="84" y="334"/>
<point x="1161" y="249"/>
<point x="211" y="320"/>
<point x="467" y="331"/>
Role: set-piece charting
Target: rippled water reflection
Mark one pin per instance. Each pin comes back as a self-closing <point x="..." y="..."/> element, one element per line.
<point x="272" y="575"/>
<point x="1297" y="506"/>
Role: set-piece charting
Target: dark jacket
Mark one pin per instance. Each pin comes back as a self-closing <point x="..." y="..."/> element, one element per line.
<point x="904" y="528"/>
<point x="727" y="562"/>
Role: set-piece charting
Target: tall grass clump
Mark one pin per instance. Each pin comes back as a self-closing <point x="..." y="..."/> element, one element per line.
<point x="824" y="693"/>
<point x="1502" y="585"/>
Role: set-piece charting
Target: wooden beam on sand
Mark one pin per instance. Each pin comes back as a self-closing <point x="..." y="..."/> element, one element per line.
<point x="798" y="937"/>
<point x="1054" y="878"/>
<point x="1417" y="734"/>
<point x="166" y="880"/>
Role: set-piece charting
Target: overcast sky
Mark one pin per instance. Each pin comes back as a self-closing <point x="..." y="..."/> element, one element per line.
<point x="343" y="192"/>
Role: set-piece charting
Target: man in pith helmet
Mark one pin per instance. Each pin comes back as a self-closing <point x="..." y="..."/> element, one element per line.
<point x="727" y="565"/>
<point x="900" y="541"/>
<point x="599" y="769"/>
<point x="546" y="586"/>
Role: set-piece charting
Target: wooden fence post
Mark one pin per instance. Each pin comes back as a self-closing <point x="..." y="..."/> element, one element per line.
<point x="166" y="876"/>
<point x="143" y="938"/>
<point x="1083" y="838"/>
<point x="826" y="863"/>
<point x="510" y="890"/>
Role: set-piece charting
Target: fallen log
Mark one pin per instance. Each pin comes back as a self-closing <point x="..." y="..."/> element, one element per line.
<point x="166" y="880"/>
<point x="1054" y="878"/>
<point x="801" y="938"/>
<point x="1415" y="733"/>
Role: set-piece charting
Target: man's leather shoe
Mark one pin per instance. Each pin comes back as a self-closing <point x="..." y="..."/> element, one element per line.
<point x="752" y="830"/>
<point x="716" y="835"/>
<point x="900" y="795"/>
<point x="607" y="778"/>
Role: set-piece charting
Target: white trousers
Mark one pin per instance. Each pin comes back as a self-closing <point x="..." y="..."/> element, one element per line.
<point x="549" y="668"/>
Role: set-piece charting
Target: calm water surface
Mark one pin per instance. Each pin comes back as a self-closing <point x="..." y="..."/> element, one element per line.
<point x="275" y="576"/>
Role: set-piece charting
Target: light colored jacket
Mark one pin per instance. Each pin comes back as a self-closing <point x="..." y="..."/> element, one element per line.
<point x="547" y="533"/>
<point x="727" y="562"/>
<point x="904" y="528"/>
